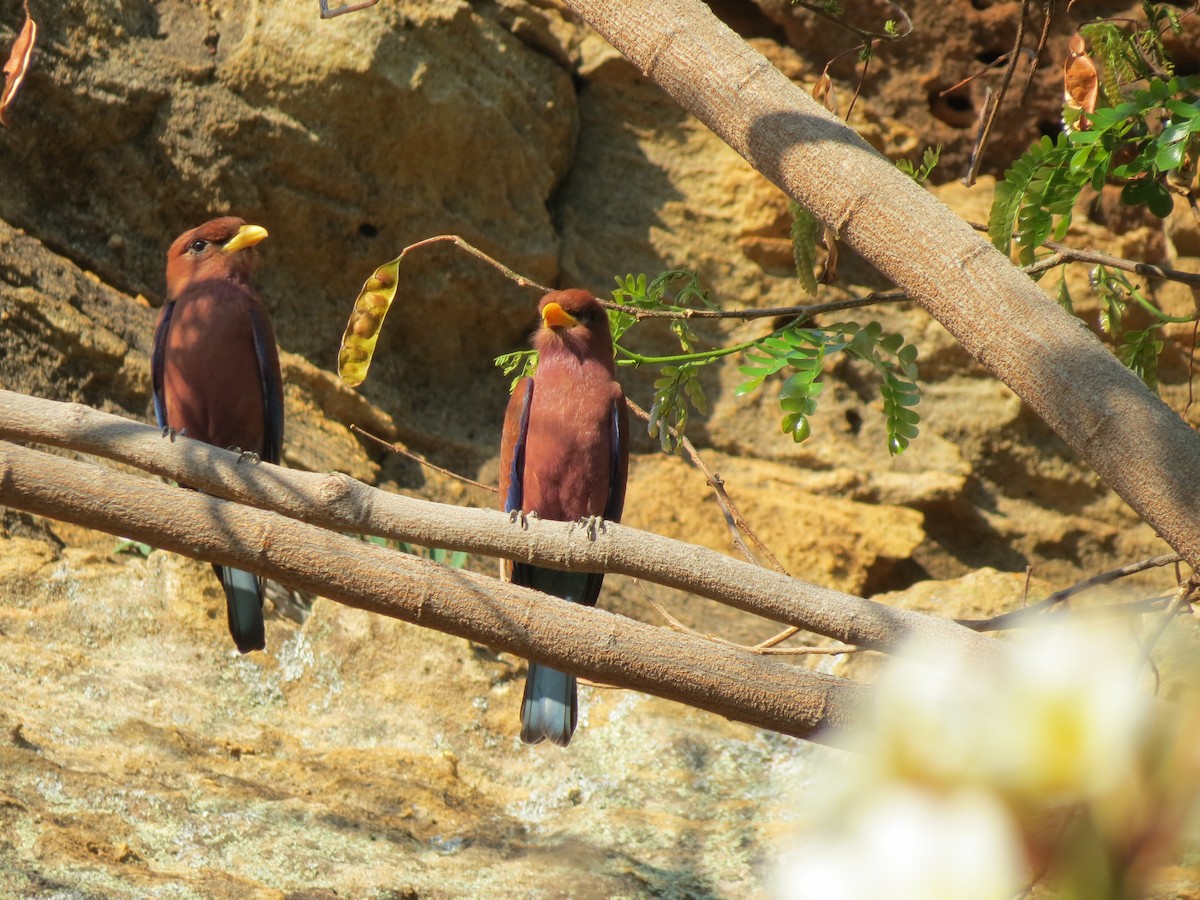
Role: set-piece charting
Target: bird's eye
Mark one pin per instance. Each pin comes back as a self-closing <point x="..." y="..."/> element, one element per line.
<point x="197" y="246"/>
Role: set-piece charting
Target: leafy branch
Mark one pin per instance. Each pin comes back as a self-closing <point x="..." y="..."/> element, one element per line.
<point x="803" y="350"/>
<point x="1146" y="139"/>
<point x="793" y="349"/>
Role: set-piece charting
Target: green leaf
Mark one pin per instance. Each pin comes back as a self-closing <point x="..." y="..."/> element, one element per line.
<point x="1170" y="156"/>
<point x="1140" y="353"/>
<point x="1019" y="198"/>
<point x="1150" y="193"/>
<point x="520" y="364"/>
<point x="1064" y="295"/>
<point x="674" y="390"/>
<point x="132" y="547"/>
<point x="797" y="426"/>
<point x="1182" y="110"/>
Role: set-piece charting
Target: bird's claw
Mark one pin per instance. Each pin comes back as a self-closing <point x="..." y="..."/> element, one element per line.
<point x="522" y="518"/>
<point x="246" y="454"/>
<point x="593" y="525"/>
<point x="170" y="433"/>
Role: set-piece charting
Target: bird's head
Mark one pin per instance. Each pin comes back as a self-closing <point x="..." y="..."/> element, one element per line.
<point x="575" y="321"/>
<point x="218" y="249"/>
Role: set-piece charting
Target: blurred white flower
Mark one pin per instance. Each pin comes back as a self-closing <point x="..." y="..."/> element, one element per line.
<point x="975" y="777"/>
<point x="1062" y="719"/>
<point x="911" y="844"/>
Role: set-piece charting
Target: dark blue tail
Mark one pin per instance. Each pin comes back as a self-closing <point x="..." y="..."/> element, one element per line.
<point x="549" y="708"/>
<point x="243" y="601"/>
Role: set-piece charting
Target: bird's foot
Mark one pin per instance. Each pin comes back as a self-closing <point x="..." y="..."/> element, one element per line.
<point x="593" y="525"/>
<point x="522" y="518"/>
<point x="246" y="454"/>
<point x="170" y="433"/>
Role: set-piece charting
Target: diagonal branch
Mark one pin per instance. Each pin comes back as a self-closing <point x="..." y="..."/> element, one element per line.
<point x="1134" y="442"/>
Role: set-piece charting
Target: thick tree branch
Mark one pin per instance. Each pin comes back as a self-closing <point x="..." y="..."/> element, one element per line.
<point x="1141" y="449"/>
<point x="339" y="503"/>
<point x="591" y="642"/>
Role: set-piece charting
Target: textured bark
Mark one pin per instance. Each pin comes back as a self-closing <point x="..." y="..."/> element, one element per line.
<point x="1142" y="450"/>
<point x="600" y="645"/>
<point x="340" y="503"/>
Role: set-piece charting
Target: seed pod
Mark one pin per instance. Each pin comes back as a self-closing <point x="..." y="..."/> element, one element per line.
<point x="366" y="320"/>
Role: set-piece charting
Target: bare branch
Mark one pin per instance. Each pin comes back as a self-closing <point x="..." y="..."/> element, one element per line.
<point x="1179" y="603"/>
<point x="518" y="279"/>
<point x="770" y="312"/>
<point x="596" y="644"/>
<point x="734" y="520"/>
<point x="1022" y="616"/>
<point x="996" y="99"/>
<point x="340" y="503"/>
<point x="767" y="648"/>
<point x="408" y="454"/>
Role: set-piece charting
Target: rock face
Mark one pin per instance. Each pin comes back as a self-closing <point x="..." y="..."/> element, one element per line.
<point x="375" y="759"/>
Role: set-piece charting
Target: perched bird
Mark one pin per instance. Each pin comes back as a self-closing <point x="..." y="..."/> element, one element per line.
<point x="215" y="372"/>
<point x="564" y="455"/>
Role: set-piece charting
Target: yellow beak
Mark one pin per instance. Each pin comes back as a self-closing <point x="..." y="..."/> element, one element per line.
<point x="554" y="316"/>
<point x="247" y="236"/>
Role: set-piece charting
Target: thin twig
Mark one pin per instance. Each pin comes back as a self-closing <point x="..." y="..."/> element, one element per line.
<point x="396" y="448"/>
<point x="734" y="520"/>
<point x="766" y="648"/>
<point x="1192" y="279"/>
<point x="673" y="623"/>
<point x="802" y="312"/>
<point x="1181" y="601"/>
<point x="863" y="33"/>
<point x="803" y="651"/>
<point x="1046" y="263"/>
<point x="1047" y="20"/>
<point x="1191" y="368"/>
<point x="777" y="639"/>
<point x="1065" y="254"/>
<point x="1061" y="255"/>
<point x="508" y="273"/>
<point x="867" y="56"/>
<point x="327" y="13"/>
<point x="1017" y="617"/>
<point x="987" y="114"/>
<point x="993" y="102"/>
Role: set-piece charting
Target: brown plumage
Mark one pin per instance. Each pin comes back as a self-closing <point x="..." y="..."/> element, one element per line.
<point x="215" y="371"/>
<point x="564" y="455"/>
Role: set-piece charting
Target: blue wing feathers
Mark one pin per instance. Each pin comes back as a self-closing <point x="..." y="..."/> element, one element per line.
<point x="272" y="387"/>
<point x="157" y="363"/>
<point x="516" y="474"/>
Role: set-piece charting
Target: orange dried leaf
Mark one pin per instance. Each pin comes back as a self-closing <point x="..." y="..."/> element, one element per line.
<point x="822" y="92"/>
<point x="1081" y="85"/>
<point x="18" y="63"/>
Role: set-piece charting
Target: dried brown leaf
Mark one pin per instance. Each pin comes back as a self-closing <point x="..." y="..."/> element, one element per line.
<point x="1081" y="85"/>
<point x="18" y="63"/>
<point x="823" y="93"/>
